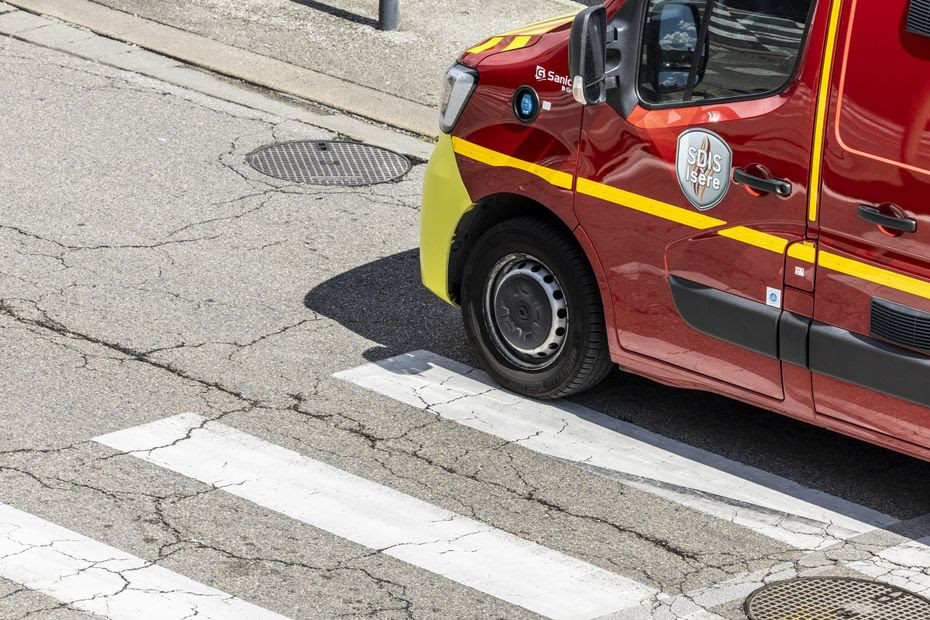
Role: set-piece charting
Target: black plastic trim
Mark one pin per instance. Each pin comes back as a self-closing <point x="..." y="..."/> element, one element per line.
<point x="779" y="187"/>
<point x="873" y="215"/>
<point x="747" y="324"/>
<point x="795" y="339"/>
<point x="918" y="17"/>
<point x="900" y="325"/>
<point x="793" y="332"/>
<point x="870" y="363"/>
<point x="623" y="55"/>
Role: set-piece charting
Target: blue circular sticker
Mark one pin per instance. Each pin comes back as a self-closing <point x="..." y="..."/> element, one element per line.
<point x="526" y="104"/>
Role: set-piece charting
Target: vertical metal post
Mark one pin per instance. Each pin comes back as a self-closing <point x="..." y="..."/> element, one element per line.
<point x="388" y="14"/>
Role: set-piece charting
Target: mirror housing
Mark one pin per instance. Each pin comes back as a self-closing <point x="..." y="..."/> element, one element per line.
<point x="588" y="56"/>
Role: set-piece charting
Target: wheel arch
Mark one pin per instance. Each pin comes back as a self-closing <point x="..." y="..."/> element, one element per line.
<point x="487" y="213"/>
<point x="496" y="208"/>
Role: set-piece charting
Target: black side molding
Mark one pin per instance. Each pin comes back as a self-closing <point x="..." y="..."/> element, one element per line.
<point x="747" y="324"/>
<point x="870" y="363"/>
<point x="793" y="330"/>
<point x="795" y="339"/>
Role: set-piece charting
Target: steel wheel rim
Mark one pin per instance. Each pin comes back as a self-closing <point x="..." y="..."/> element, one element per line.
<point x="519" y="284"/>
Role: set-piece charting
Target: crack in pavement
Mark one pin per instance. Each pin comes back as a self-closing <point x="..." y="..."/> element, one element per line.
<point x="408" y="455"/>
<point x="130" y="353"/>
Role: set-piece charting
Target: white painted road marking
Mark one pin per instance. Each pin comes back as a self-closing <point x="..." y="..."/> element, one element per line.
<point x="94" y="577"/>
<point x="477" y="555"/>
<point x="787" y="511"/>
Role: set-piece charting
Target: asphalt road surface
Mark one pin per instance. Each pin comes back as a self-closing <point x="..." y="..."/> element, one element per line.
<point x="228" y="396"/>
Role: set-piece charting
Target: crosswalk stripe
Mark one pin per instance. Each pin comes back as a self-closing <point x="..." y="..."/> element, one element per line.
<point x="97" y="578"/>
<point x="469" y="552"/>
<point x="763" y="502"/>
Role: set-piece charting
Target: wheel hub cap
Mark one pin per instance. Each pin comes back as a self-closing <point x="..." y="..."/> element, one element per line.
<point x="527" y="310"/>
<point x="523" y="312"/>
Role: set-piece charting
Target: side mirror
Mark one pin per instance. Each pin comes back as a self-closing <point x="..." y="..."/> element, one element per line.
<point x="588" y="56"/>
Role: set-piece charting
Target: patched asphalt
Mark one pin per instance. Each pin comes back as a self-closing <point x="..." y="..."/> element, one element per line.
<point x="147" y="271"/>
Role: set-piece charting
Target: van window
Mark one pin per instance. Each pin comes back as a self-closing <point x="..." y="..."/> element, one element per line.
<point x="745" y="48"/>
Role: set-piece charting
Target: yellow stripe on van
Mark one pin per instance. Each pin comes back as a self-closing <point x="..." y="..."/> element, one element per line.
<point x="756" y="238"/>
<point x="647" y="205"/>
<point x="493" y="158"/>
<point x="517" y="43"/>
<point x="805" y="251"/>
<point x="823" y="99"/>
<point x="490" y="43"/>
<point x="873" y="274"/>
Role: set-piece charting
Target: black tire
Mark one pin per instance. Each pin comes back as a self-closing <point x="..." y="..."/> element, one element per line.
<point x="583" y="358"/>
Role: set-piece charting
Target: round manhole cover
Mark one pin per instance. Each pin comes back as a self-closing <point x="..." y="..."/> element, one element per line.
<point x="329" y="163"/>
<point x="834" y="598"/>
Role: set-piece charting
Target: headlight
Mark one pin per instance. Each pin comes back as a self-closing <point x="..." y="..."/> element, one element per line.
<point x="457" y="87"/>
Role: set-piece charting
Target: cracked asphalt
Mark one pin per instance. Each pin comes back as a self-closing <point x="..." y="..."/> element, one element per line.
<point x="147" y="271"/>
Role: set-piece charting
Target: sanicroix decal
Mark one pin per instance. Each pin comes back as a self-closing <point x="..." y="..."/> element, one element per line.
<point x="547" y="75"/>
<point x="703" y="163"/>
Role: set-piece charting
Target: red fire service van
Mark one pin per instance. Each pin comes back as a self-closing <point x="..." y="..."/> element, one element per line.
<point x="726" y="195"/>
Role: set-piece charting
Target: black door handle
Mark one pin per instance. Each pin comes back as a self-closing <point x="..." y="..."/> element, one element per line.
<point x="778" y="187"/>
<point x="891" y="222"/>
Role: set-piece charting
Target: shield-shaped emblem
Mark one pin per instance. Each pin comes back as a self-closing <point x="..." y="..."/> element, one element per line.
<point x="704" y="163"/>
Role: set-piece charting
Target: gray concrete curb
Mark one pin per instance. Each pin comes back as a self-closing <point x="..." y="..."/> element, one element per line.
<point x="54" y="34"/>
<point x="242" y="64"/>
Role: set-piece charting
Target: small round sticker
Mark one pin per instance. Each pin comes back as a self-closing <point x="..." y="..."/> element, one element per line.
<point x="526" y="104"/>
<point x="773" y="297"/>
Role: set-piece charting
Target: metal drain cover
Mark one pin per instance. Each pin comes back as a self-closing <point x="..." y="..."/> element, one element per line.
<point x="834" y="598"/>
<point x="329" y="163"/>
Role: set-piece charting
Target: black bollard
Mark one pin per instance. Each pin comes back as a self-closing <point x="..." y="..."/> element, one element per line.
<point x="388" y="14"/>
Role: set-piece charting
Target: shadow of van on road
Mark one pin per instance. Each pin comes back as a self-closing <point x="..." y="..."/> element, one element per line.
<point x="385" y="302"/>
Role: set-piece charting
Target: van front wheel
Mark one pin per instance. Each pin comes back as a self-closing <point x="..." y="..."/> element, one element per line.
<point x="533" y="310"/>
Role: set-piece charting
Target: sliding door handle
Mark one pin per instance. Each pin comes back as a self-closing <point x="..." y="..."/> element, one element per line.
<point x="778" y="187"/>
<point x="890" y="222"/>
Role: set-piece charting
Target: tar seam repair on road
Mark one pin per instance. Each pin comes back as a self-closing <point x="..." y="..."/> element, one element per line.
<point x="226" y="393"/>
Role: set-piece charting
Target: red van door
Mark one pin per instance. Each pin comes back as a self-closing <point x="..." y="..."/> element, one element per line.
<point x="870" y="343"/>
<point x="693" y="179"/>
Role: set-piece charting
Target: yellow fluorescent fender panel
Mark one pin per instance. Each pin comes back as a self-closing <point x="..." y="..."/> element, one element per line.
<point x="445" y="201"/>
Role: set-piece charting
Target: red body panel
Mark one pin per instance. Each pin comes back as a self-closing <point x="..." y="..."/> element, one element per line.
<point x="551" y="141"/>
<point x="640" y="251"/>
<point x="633" y="253"/>
<point x="877" y="153"/>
